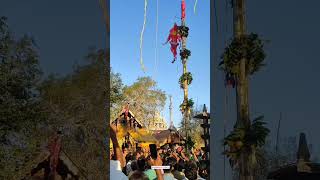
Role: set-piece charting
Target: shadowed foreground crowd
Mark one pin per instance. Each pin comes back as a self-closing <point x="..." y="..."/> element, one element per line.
<point x="137" y="165"/>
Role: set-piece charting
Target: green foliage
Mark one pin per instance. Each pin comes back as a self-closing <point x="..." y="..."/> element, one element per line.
<point x="190" y="143"/>
<point x="30" y="110"/>
<point x="249" y="47"/>
<point x="186" y="105"/>
<point x="195" y="131"/>
<point x="185" y="53"/>
<point x="183" y="31"/>
<point x="246" y="139"/>
<point x="116" y="95"/>
<point x="186" y="76"/>
<point x="77" y="104"/>
<point x="116" y="87"/>
<point x="20" y="105"/>
<point x="145" y="99"/>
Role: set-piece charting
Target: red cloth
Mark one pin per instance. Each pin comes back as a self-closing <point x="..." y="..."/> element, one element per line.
<point x="183" y="9"/>
<point x="174" y="38"/>
<point x="230" y="81"/>
<point x="54" y="148"/>
<point x="126" y="110"/>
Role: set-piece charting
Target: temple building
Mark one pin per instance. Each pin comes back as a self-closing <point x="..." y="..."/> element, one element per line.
<point x="158" y="123"/>
<point x="303" y="169"/>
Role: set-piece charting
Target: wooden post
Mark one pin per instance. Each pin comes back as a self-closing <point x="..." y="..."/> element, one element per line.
<point x="186" y="114"/>
<point x="242" y="89"/>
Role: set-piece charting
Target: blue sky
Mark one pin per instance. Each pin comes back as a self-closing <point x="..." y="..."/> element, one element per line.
<point x="126" y="24"/>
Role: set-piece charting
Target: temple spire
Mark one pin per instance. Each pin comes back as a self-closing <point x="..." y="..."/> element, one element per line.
<point x="170" y="108"/>
<point x="303" y="150"/>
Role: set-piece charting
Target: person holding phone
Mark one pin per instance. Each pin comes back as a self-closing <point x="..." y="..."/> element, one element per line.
<point x="119" y="162"/>
<point x="157" y="162"/>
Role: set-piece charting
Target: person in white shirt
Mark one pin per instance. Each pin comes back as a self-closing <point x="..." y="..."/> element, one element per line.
<point x="119" y="163"/>
<point x="115" y="171"/>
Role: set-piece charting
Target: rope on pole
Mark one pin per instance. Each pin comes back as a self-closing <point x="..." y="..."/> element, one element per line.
<point x="79" y="168"/>
<point x="195" y="6"/>
<point x="156" y="45"/>
<point x="141" y="36"/>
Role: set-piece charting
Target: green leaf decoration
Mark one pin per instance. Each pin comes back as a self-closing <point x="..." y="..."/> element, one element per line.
<point x="186" y="76"/>
<point x="185" y="53"/>
<point x="186" y="105"/>
<point x="183" y="31"/>
<point x="246" y="139"/>
<point x="249" y="47"/>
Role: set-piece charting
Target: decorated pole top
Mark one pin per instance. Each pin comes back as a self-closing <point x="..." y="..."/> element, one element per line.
<point x="183" y="10"/>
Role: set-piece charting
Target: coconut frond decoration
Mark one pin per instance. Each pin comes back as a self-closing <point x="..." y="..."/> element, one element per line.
<point x="185" y="53"/>
<point x="190" y="142"/>
<point x="246" y="139"/>
<point x="249" y="47"/>
<point x="186" y="76"/>
<point x="190" y="103"/>
<point x="183" y="31"/>
<point x="186" y="105"/>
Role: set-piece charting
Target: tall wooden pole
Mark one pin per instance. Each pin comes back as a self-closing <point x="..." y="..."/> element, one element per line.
<point x="242" y="79"/>
<point x="185" y="83"/>
<point x="242" y="87"/>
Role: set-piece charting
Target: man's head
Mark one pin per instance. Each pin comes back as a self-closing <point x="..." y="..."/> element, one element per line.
<point x="134" y="165"/>
<point x="169" y="161"/>
<point x="129" y="157"/>
<point x="191" y="170"/>
<point x="139" y="153"/>
<point x="138" y="175"/>
<point x="179" y="149"/>
<point x="179" y="166"/>
<point x="142" y="163"/>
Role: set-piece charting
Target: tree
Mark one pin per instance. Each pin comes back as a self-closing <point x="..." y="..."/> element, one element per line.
<point x="194" y="128"/>
<point x="76" y="103"/>
<point x="145" y="99"/>
<point x="270" y="160"/>
<point x="20" y="110"/>
<point x="116" y="94"/>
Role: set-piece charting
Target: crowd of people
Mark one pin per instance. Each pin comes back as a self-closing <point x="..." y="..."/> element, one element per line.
<point x="137" y="164"/>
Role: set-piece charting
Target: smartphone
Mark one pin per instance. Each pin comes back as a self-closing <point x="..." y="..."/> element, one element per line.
<point x="153" y="151"/>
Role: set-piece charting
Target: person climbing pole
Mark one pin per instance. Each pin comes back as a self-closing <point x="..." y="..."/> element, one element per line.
<point x="174" y="39"/>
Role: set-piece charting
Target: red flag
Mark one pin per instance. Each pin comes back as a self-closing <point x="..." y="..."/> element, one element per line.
<point x="174" y="39"/>
<point x="183" y="10"/>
